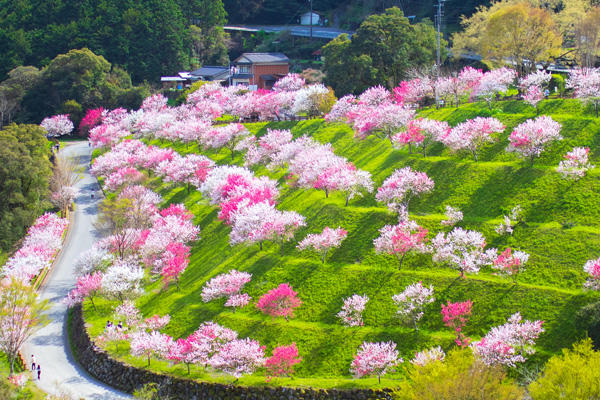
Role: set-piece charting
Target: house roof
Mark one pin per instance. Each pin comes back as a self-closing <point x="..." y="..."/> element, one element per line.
<point x="262" y="58"/>
<point x="210" y="71"/>
<point x="171" y="79"/>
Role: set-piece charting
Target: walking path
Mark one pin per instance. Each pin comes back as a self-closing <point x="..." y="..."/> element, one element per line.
<point x="60" y="373"/>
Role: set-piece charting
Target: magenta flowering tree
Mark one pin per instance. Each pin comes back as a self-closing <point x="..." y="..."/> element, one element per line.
<point x="510" y="343"/>
<point x="150" y="345"/>
<point x="428" y="356"/>
<point x="93" y="117"/>
<point x="472" y="134"/>
<point x="282" y="362"/>
<point x="511" y="263"/>
<point x="530" y="138"/>
<point x="239" y="357"/>
<point x="421" y="132"/>
<point x="88" y="285"/>
<point x="230" y="286"/>
<point x="586" y="83"/>
<point x="183" y="351"/>
<point x="576" y="163"/>
<point x="174" y="262"/>
<point x="413" y="91"/>
<point x="280" y="301"/>
<point x="456" y="316"/>
<point x="592" y="268"/>
<point x="401" y="239"/>
<point x="374" y="359"/>
<point x="462" y="250"/>
<point x="352" y="309"/>
<point x="57" y="125"/>
<point x="412" y="301"/>
<point x="324" y="241"/>
<point x="398" y="189"/>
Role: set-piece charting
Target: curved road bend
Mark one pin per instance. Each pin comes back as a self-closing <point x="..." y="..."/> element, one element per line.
<point x="60" y="372"/>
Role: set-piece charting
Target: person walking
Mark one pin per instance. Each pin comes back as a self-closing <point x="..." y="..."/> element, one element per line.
<point x="39" y="371"/>
<point x="32" y="362"/>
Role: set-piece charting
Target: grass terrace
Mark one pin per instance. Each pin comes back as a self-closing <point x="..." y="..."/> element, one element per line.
<point x="561" y="232"/>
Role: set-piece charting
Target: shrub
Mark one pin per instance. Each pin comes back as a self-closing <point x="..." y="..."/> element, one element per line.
<point x="588" y="319"/>
<point x="460" y="376"/>
<point x="574" y="375"/>
<point x="557" y="81"/>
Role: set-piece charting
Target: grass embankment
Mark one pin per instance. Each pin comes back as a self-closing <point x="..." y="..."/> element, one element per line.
<point x="561" y="231"/>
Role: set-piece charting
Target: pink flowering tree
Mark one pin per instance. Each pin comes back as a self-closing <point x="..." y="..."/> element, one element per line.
<point x="511" y="263"/>
<point x="412" y="301"/>
<point x="261" y="151"/>
<point x="398" y="189"/>
<point x="456" y="316"/>
<point x="130" y="313"/>
<point x="453" y="216"/>
<point x="494" y="82"/>
<point x="189" y="170"/>
<point x="57" y="125"/>
<point x="510" y="343"/>
<point x="428" y="356"/>
<point x="382" y="121"/>
<point x="352" y="309"/>
<point x="462" y="250"/>
<point x="88" y="285"/>
<point x="413" y="91"/>
<point x="282" y="362"/>
<point x="280" y="301"/>
<point x="150" y="345"/>
<point x="346" y="178"/>
<point x="183" y="351"/>
<point x="530" y="138"/>
<point x="122" y="280"/>
<point x="472" y="134"/>
<point x="324" y="241"/>
<point x="401" y="239"/>
<point x="510" y="221"/>
<point x="227" y="136"/>
<point x="576" y="163"/>
<point x="209" y="339"/>
<point x="289" y="83"/>
<point x="230" y="286"/>
<point x="374" y="359"/>
<point x="93" y="117"/>
<point x="174" y="262"/>
<point x="586" y="83"/>
<point x="341" y="108"/>
<point x="421" y="132"/>
<point x="156" y="322"/>
<point x="592" y="268"/>
<point x="239" y="357"/>
<point x="112" y="334"/>
<point x="533" y="85"/>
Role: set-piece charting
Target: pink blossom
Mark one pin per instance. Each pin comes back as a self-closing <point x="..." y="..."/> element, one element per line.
<point x="280" y="301"/>
<point x="462" y="249"/>
<point x="209" y="339"/>
<point x="401" y="186"/>
<point x="510" y="343"/>
<point x="122" y="177"/>
<point x="586" y="83"/>
<point x="472" y="134"/>
<point x="421" y="132"/>
<point x="341" y="108"/>
<point x="150" y="345"/>
<point x="290" y="82"/>
<point x="453" y="216"/>
<point x="401" y="239"/>
<point x="576" y="163"/>
<point x="374" y="359"/>
<point x="351" y="313"/>
<point x="412" y="301"/>
<point x="510" y="221"/>
<point x="128" y="311"/>
<point x="383" y="120"/>
<point x="87" y="286"/>
<point x="511" y="262"/>
<point x="592" y="268"/>
<point x="174" y="261"/>
<point x="156" y="322"/>
<point x="282" y="362"/>
<point x="156" y="102"/>
<point x="494" y="82"/>
<point x="19" y="380"/>
<point x="456" y="316"/>
<point x="239" y="357"/>
<point x="324" y="241"/>
<point x="228" y="285"/>
<point x="413" y="91"/>
<point x="531" y="137"/>
<point x="57" y="125"/>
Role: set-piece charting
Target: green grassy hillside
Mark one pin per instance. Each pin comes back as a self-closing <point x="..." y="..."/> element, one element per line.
<point x="561" y="231"/>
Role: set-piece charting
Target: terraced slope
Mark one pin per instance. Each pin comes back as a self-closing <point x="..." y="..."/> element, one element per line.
<point x="561" y="231"/>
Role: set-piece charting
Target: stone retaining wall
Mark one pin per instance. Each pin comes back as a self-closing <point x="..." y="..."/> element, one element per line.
<point x="127" y="378"/>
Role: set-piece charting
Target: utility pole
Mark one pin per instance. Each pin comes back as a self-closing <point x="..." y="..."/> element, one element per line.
<point x="438" y="61"/>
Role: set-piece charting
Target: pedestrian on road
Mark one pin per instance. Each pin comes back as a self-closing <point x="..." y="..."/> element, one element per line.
<point x="39" y="371"/>
<point x="32" y="362"/>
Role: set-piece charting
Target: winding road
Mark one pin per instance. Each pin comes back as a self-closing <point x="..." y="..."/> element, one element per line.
<point x="60" y="372"/>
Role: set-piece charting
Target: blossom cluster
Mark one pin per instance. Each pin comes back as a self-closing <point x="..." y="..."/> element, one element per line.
<point x="324" y="241"/>
<point x="57" y="125"/>
<point x="40" y="246"/>
<point x="412" y="301"/>
<point x="576" y="163"/>
<point x="351" y="313"/>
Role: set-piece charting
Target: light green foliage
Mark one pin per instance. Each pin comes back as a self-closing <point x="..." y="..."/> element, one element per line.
<point x="573" y="375"/>
<point x="549" y="289"/>
<point x="458" y="377"/>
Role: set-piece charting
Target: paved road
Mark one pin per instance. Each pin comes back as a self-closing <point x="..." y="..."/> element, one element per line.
<point x="322" y="32"/>
<point x="60" y="371"/>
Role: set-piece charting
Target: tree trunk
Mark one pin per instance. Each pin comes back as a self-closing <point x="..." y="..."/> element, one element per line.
<point x="12" y="365"/>
<point x="532" y="158"/>
<point x="347" y="199"/>
<point x="188" y="365"/>
<point x="324" y="256"/>
<point x="177" y="284"/>
<point x="379" y="377"/>
<point x="92" y="301"/>
<point x="401" y="259"/>
<point x="148" y="359"/>
<point x="326" y="193"/>
<point x="281" y="247"/>
<point x="474" y="154"/>
<point x="409" y="148"/>
<point x="232" y="153"/>
<point x="260" y="245"/>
